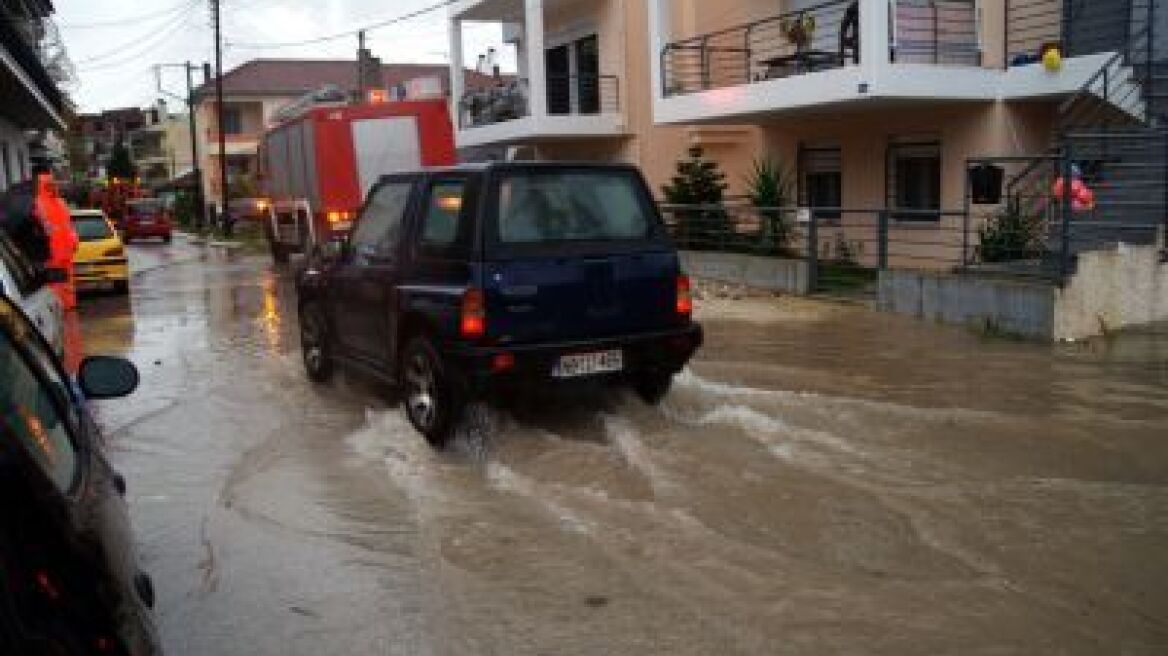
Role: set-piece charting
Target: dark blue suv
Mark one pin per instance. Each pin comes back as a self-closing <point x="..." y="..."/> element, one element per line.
<point x="456" y="283"/>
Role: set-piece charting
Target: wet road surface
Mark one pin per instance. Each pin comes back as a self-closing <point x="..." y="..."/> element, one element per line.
<point x="823" y="480"/>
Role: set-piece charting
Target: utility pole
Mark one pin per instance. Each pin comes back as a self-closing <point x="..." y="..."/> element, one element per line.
<point x="200" y="207"/>
<point x="189" y="99"/>
<point x="215" y="18"/>
<point x="361" y="65"/>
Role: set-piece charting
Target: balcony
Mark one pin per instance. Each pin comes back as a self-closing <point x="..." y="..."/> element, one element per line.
<point x="839" y="53"/>
<point x="561" y="91"/>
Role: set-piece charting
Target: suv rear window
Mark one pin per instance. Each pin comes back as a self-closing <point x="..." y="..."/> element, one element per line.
<point x="561" y="206"/>
<point x="91" y="228"/>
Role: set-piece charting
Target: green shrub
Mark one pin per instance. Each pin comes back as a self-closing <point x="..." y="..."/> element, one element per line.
<point x="769" y="187"/>
<point x="1012" y="234"/>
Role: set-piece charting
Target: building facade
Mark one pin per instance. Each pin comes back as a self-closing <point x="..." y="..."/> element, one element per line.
<point x="30" y="101"/>
<point x="162" y="149"/>
<point x="95" y="135"/>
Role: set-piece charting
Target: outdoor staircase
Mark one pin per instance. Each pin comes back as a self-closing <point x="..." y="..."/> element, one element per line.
<point x="1115" y="129"/>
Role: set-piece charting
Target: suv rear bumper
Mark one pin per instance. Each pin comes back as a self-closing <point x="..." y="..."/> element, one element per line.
<point x="658" y="352"/>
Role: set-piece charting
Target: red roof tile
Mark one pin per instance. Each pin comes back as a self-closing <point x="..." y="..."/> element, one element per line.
<point x="295" y="77"/>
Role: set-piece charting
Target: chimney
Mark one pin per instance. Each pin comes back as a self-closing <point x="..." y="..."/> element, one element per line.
<point x="493" y="62"/>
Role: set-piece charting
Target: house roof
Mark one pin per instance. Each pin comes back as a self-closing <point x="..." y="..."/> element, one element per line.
<point x="296" y="77"/>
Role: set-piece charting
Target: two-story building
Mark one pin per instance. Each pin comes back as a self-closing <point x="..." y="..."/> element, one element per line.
<point x="30" y="101"/>
<point x="874" y="106"/>
<point x="254" y="93"/>
<point x="162" y="149"/>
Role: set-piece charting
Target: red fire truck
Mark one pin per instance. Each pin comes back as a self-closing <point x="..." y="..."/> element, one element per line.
<point x="316" y="167"/>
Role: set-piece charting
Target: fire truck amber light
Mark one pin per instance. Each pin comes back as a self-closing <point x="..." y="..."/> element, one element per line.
<point x="450" y="203"/>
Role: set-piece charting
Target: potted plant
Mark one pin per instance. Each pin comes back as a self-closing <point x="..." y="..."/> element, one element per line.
<point x="799" y="30"/>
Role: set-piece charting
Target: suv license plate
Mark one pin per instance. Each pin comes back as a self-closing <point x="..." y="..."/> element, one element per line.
<point x="588" y="364"/>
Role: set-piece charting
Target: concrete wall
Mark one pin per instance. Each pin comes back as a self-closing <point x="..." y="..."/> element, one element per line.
<point x="1115" y="289"/>
<point x="771" y="273"/>
<point x="1011" y="306"/>
<point x="1121" y="288"/>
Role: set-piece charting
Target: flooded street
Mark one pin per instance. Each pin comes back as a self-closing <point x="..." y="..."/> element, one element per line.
<point x="823" y="480"/>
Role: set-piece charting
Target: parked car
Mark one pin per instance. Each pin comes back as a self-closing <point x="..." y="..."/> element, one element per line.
<point x="101" y="256"/>
<point x="459" y="282"/>
<point x="70" y="582"/>
<point x="146" y="217"/>
<point x="27" y="285"/>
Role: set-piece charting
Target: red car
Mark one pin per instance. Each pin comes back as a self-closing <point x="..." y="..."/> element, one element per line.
<point x="146" y="217"/>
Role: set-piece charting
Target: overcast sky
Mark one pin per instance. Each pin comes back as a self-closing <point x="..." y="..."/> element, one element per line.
<point x="114" y="44"/>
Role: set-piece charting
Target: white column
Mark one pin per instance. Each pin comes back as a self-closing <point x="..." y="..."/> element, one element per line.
<point x="875" y="16"/>
<point x="536" y="69"/>
<point x="660" y="27"/>
<point x="457" y="69"/>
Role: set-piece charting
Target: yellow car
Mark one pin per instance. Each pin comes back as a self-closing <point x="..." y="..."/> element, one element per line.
<point x="100" y="260"/>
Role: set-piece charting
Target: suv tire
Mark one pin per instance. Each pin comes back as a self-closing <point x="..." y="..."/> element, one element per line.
<point x="433" y="402"/>
<point x="315" y="344"/>
<point x="652" y="386"/>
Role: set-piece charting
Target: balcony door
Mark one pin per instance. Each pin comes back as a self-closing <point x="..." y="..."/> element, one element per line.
<point x="558" y="62"/>
<point x="573" y="76"/>
<point x="588" y="74"/>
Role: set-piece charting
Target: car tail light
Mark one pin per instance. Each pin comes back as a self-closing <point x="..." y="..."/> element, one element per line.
<point x="684" y="296"/>
<point x="473" y="323"/>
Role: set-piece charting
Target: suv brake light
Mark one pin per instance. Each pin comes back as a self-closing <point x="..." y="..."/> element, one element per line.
<point x="684" y="296"/>
<point x="473" y="321"/>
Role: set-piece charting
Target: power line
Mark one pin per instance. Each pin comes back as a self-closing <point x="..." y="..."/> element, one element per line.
<point x="134" y="54"/>
<point x="151" y="37"/>
<point x="348" y="33"/>
<point x="122" y="22"/>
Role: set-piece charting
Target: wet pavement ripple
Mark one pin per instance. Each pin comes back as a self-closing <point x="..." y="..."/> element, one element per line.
<point x="822" y="480"/>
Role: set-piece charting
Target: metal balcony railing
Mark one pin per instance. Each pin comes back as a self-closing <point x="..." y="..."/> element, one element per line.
<point x="567" y="95"/>
<point x="1078" y="27"/>
<point x="819" y="38"/>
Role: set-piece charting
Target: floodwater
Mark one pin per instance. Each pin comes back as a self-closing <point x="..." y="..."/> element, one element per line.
<point x="822" y="480"/>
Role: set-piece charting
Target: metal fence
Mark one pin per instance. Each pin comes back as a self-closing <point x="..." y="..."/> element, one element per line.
<point x="1034" y="231"/>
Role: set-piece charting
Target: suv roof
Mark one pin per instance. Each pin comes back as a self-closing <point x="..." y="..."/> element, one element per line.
<point x="517" y="165"/>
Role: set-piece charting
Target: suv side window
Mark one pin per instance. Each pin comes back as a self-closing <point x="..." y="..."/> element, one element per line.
<point x="443" y="223"/>
<point x="379" y="230"/>
<point x="36" y="409"/>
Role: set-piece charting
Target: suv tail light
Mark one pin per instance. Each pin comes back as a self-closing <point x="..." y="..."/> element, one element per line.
<point x="473" y="321"/>
<point x="684" y="296"/>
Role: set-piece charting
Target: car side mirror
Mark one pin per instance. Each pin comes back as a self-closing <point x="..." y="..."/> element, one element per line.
<point x="105" y="377"/>
<point x="54" y="275"/>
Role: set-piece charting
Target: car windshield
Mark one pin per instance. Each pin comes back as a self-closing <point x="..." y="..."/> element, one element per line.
<point x="92" y="228"/>
<point x="545" y="207"/>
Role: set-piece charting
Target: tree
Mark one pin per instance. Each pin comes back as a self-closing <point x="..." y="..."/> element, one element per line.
<point x="698" y="181"/>
<point x="120" y="165"/>
<point x="699" y="185"/>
